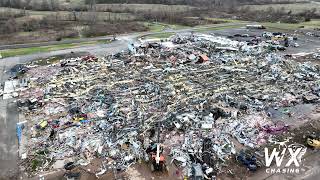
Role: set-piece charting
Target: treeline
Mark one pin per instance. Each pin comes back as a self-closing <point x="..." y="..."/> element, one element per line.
<point x="169" y="2"/>
<point x="203" y="3"/>
<point x="42" y="5"/>
<point x="54" y="4"/>
<point x="198" y="3"/>
<point x="14" y="3"/>
<point x="277" y="15"/>
<point x="261" y="2"/>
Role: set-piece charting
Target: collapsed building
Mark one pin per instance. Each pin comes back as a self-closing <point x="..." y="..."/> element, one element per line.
<point x="204" y="91"/>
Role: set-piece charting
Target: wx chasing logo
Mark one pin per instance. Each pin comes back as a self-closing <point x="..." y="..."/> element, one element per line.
<point x="293" y="155"/>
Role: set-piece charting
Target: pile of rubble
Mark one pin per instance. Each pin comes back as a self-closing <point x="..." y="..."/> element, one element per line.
<point x="311" y="56"/>
<point x="205" y="92"/>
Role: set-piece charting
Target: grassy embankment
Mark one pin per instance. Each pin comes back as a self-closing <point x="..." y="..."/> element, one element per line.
<point x="42" y="49"/>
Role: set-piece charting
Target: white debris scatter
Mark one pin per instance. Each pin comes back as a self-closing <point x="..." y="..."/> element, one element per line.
<point x="205" y="91"/>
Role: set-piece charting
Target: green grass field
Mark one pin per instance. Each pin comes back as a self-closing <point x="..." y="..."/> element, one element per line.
<point x="295" y="8"/>
<point x="68" y="16"/>
<point x="158" y="27"/>
<point x="159" y="35"/>
<point x="315" y="23"/>
<point x="144" y="7"/>
<point x="206" y="29"/>
<point x="226" y="20"/>
<point x="33" y="50"/>
<point x="101" y="11"/>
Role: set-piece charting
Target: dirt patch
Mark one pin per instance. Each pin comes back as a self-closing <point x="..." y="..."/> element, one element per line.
<point x="53" y="59"/>
<point x="113" y="28"/>
<point x="234" y="170"/>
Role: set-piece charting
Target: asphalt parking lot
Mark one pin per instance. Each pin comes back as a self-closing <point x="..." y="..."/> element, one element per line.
<point x="306" y="43"/>
<point x="8" y="119"/>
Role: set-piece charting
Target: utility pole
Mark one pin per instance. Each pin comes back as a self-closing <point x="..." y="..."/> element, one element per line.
<point x="93" y="10"/>
<point x="93" y="5"/>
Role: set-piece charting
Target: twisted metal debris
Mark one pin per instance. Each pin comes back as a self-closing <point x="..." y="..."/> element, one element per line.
<point x="206" y="91"/>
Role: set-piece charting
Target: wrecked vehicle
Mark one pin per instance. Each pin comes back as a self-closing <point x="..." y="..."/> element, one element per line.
<point x="313" y="142"/>
<point x="207" y="91"/>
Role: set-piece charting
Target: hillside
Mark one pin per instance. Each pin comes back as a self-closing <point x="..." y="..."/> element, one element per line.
<point x="49" y="20"/>
<point x="53" y="4"/>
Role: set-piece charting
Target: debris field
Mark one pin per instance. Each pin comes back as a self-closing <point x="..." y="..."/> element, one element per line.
<point x="195" y="94"/>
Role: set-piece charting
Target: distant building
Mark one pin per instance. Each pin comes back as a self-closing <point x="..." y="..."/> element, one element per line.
<point x="255" y="26"/>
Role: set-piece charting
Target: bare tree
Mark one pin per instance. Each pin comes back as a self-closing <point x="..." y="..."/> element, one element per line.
<point x="10" y="3"/>
<point x="11" y="26"/>
<point x="27" y="4"/>
<point x="54" y="5"/>
<point x="93" y="13"/>
<point x="16" y="3"/>
<point x="45" y="5"/>
<point x="92" y="4"/>
<point x="74" y="15"/>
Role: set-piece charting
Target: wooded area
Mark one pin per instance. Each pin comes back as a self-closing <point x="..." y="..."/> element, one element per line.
<point x="70" y="19"/>
<point x="54" y="4"/>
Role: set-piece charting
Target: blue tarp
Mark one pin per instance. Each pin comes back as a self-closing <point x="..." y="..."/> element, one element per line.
<point x="19" y="131"/>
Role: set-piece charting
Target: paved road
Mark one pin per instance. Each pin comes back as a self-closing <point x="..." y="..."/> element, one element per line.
<point x="306" y="43"/>
<point x="131" y="35"/>
<point x="100" y="49"/>
<point x="8" y="140"/>
<point x="8" y="110"/>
